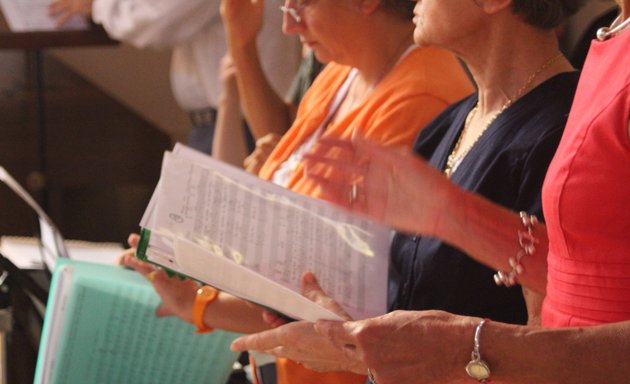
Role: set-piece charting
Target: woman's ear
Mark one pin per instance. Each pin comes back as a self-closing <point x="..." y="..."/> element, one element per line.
<point x="368" y="7"/>
<point x="493" y="6"/>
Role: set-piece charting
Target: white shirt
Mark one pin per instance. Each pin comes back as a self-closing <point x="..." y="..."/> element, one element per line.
<point x="194" y="29"/>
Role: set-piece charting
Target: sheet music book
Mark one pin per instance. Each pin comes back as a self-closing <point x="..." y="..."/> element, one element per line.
<point x="100" y="327"/>
<point x="29" y="253"/>
<point x="32" y="16"/>
<point x="251" y="238"/>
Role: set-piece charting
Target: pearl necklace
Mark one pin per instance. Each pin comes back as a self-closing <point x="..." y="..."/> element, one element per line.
<point x="453" y="160"/>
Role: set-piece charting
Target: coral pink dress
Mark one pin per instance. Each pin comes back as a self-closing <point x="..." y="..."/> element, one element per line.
<point x="586" y="197"/>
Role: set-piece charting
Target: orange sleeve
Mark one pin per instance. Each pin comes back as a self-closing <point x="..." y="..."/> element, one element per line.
<point x="400" y="122"/>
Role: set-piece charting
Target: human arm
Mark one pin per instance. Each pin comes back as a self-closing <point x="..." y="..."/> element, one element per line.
<point x="227" y="312"/>
<point x="229" y="141"/>
<point x="265" y="110"/>
<point x="432" y="346"/>
<point x="402" y="190"/>
<point x="156" y="23"/>
<point x="63" y="10"/>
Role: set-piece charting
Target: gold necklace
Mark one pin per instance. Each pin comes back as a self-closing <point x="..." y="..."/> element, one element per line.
<point x="453" y="159"/>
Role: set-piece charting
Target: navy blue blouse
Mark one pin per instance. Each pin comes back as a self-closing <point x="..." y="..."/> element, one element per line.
<point x="507" y="165"/>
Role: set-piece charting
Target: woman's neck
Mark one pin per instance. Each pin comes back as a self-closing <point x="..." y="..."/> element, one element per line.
<point x="381" y="48"/>
<point x="372" y="72"/>
<point x="513" y="66"/>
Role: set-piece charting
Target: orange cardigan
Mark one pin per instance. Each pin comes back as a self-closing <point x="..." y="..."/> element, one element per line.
<point x="415" y="91"/>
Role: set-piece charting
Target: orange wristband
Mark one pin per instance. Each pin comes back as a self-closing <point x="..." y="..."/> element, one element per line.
<point x="205" y="295"/>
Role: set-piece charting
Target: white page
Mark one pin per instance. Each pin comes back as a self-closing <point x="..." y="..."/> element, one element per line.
<point x="52" y="244"/>
<point x="228" y="276"/>
<point x="32" y="15"/>
<point x="94" y="252"/>
<point x="58" y="305"/>
<point x="26" y="252"/>
<point x="271" y="230"/>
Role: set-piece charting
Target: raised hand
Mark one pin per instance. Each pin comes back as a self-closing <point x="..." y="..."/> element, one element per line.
<point x="243" y="20"/>
<point x="393" y="186"/>
<point x="63" y="10"/>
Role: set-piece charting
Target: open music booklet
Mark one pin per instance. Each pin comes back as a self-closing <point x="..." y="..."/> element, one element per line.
<point x="100" y="327"/>
<point x="229" y="229"/>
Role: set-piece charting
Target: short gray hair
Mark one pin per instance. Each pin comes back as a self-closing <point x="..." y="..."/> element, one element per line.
<point x="545" y="14"/>
<point x="403" y="8"/>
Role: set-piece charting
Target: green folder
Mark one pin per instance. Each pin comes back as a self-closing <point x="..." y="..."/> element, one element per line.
<point x="100" y="327"/>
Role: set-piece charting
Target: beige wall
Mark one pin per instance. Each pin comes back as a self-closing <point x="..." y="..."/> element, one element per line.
<point x="138" y="79"/>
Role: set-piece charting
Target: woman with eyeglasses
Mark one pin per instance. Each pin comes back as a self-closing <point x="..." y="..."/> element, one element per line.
<point x="580" y="260"/>
<point x="370" y="86"/>
<point x="377" y="83"/>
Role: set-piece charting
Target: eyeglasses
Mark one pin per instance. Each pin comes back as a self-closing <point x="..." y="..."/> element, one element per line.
<point x="295" y="10"/>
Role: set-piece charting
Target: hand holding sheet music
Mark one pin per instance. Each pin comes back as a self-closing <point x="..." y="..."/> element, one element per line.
<point x="254" y="239"/>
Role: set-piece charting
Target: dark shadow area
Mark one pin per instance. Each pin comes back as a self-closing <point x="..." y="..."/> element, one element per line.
<point x="103" y="162"/>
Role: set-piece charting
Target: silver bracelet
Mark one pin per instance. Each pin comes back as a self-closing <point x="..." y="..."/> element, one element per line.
<point x="527" y="243"/>
<point x="476" y="367"/>
<point x="371" y="376"/>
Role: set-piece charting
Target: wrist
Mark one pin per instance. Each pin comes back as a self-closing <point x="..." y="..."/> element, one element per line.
<point x="241" y="44"/>
<point x="185" y="303"/>
<point x="229" y="96"/>
<point x="449" y="207"/>
<point x="478" y="368"/>
<point x="204" y="296"/>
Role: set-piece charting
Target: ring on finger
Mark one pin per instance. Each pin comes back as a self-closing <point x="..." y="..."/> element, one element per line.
<point x="352" y="197"/>
<point x="151" y="275"/>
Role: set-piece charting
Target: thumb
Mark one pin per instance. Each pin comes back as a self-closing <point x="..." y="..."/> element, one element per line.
<point x="314" y="292"/>
<point x="133" y="240"/>
<point x="311" y="288"/>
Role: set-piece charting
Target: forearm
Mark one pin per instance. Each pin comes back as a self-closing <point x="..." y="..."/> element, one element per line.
<point x="488" y="233"/>
<point x="266" y="111"/>
<point x="232" y="314"/>
<point x="229" y="140"/>
<point x="568" y="355"/>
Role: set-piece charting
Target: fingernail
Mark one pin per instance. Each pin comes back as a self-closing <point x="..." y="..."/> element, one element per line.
<point x="309" y="278"/>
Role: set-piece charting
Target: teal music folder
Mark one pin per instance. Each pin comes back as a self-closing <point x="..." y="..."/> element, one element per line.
<point x="100" y="327"/>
